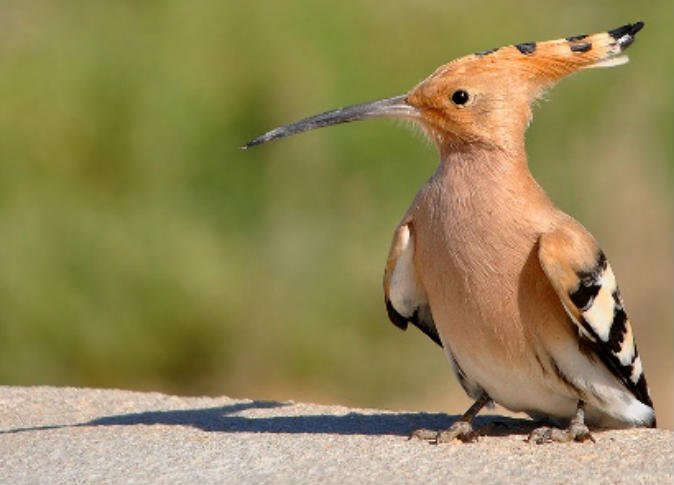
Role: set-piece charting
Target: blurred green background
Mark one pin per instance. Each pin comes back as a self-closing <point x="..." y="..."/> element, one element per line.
<point x="141" y="249"/>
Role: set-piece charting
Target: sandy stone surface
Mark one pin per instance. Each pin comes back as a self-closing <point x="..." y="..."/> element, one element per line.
<point x="66" y="435"/>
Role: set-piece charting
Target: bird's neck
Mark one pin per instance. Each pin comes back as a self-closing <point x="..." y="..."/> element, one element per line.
<point x="476" y="162"/>
<point x="480" y="177"/>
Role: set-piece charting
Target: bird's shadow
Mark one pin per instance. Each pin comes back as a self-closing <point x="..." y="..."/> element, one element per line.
<point x="222" y="419"/>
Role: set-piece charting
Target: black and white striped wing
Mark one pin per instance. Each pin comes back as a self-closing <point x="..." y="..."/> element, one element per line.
<point x="587" y="288"/>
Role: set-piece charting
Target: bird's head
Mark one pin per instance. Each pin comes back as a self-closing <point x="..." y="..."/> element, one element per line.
<point x="482" y="98"/>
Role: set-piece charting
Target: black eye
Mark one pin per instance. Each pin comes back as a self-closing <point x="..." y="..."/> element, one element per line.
<point x="460" y="97"/>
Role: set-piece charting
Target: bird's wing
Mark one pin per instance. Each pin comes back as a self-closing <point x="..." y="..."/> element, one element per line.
<point x="587" y="288"/>
<point x="406" y="300"/>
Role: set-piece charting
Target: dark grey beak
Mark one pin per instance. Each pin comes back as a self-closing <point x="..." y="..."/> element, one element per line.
<point x="395" y="107"/>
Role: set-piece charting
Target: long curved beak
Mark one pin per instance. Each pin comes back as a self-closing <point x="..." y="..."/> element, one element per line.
<point x="395" y="107"/>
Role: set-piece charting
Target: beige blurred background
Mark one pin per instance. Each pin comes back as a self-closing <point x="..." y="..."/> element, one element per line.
<point x="141" y="249"/>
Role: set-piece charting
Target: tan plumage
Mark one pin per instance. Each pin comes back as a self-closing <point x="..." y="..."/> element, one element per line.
<point x="517" y="293"/>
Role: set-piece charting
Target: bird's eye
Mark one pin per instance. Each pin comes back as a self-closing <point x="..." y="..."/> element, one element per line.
<point x="460" y="97"/>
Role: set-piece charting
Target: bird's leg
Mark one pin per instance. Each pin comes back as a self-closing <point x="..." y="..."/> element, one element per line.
<point x="576" y="431"/>
<point x="461" y="429"/>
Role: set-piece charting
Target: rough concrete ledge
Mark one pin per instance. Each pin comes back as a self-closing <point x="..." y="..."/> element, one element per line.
<point x="57" y="435"/>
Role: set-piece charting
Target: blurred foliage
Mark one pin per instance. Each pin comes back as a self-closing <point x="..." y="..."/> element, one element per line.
<point x="141" y="249"/>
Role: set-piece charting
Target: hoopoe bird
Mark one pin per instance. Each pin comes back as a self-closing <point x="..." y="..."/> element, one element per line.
<point x="517" y="293"/>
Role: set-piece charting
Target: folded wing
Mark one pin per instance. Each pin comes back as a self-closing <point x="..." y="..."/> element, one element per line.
<point x="406" y="300"/>
<point x="584" y="281"/>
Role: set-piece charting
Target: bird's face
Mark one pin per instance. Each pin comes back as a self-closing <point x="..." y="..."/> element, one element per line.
<point x="483" y="98"/>
<point x="471" y="100"/>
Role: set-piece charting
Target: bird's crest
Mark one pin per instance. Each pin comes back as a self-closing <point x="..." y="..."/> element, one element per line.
<point x="548" y="61"/>
<point x="485" y="97"/>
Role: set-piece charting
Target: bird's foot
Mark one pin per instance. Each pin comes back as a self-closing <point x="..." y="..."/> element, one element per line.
<point x="575" y="432"/>
<point x="461" y="430"/>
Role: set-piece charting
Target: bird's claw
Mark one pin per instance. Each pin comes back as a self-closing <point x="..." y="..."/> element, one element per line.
<point x="575" y="432"/>
<point x="461" y="430"/>
<point x="423" y="434"/>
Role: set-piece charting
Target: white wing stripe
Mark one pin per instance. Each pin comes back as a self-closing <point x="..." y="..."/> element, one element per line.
<point x="404" y="293"/>
<point x="636" y="370"/>
<point x="600" y="313"/>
